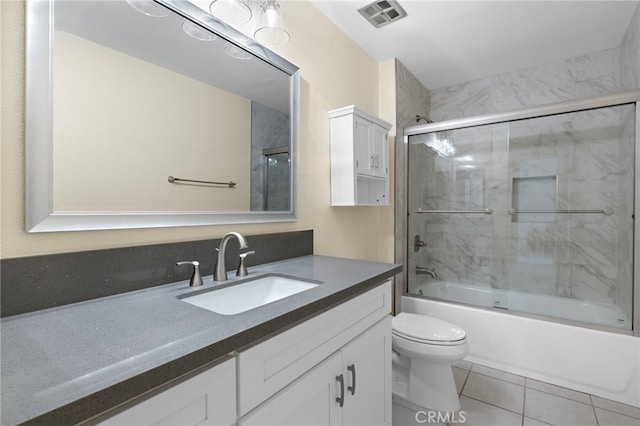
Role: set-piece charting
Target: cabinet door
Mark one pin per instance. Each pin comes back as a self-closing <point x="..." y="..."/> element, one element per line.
<point x="362" y="139"/>
<point x="309" y="401"/>
<point x="209" y="398"/>
<point x="380" y="151"/>
<point x="270" y="366"/>
<point x="367" y="368"/>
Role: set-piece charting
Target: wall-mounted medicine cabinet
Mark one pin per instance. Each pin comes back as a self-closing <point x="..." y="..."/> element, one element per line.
<point x="359" y="158"/>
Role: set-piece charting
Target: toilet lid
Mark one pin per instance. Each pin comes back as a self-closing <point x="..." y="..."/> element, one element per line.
<point x="427" y="329"/>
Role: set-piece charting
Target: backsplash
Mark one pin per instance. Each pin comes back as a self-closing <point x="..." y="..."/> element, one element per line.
<point x="40" y="282"/>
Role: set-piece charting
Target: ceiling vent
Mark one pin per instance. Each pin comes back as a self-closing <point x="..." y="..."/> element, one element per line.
<point x="382" y="12"/>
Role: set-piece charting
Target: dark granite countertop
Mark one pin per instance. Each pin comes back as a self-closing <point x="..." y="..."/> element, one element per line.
<point x="67" y="364"/>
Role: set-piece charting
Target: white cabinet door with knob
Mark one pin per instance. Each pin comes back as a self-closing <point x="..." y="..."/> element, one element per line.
<point x="359" y="158"/>
<point x="371" y="146"/>
<point x="367" y="365"/>
<point x="309" y="401"/>
<point x="363" y="146"/>
<point x="352" y="387"/>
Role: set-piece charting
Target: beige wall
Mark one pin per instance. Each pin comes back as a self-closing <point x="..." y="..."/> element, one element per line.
<point x="335" y="72"/>
<point x="175" y="126"/>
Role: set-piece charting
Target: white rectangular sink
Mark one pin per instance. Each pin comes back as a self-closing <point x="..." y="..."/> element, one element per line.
<point x="247" y="295"/>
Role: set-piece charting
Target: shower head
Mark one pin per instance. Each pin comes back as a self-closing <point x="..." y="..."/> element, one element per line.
<point x="423" y="117"/>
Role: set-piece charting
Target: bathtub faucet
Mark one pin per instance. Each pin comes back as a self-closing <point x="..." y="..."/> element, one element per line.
<point x="421" y="270"/>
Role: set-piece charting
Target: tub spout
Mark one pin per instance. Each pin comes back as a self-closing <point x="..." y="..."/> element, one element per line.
<point x="432" y="272"/>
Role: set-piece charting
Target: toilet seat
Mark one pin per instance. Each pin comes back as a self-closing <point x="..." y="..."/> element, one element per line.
<point x="427" y="330"/>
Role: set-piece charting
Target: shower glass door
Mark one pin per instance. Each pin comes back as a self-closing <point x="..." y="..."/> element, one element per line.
<point x="455" y="181"/>
<point x="277" y="182"/>
<point x="532" y="216"/>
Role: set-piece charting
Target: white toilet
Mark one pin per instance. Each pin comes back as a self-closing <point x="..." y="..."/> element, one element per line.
<point x="423" y="350"/>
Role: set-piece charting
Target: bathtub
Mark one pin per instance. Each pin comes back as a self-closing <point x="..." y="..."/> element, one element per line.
<point x="601" y="363"/>
<point x="605" y="314"/>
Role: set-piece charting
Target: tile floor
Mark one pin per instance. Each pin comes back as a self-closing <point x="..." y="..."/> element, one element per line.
<point x="492" y="397"/>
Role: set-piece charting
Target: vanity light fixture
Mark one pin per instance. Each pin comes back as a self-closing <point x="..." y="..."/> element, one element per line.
<point x="236" y="52"/>
<point x="197" y="32"/>
<point x="235" y="12"/>
<point x="149" y="8"/>
<point x="271" y="31"/>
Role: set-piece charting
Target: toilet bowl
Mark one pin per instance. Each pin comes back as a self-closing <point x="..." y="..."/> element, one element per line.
<point x="424" y="350"/>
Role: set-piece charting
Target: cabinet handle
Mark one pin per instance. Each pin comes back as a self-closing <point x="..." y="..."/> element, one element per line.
<point x="377" y="161"/>
<point x="352" y="389"/>
<point x="340" y="399"/>
<point x="372" y="161"/>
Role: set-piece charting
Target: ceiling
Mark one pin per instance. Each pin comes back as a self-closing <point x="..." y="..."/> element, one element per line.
<point x="448" y="42"/>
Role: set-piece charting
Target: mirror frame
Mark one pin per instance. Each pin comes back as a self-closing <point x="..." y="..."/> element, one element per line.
<point x="39" y="213"/>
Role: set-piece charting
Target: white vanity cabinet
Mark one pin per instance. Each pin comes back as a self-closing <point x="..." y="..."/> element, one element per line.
<point x="334" y="369"/>
<point x="351" y="387"/>
<point x="206" y="398"/>
<point x="359" y="158"/>
<point x="309" y="401"/>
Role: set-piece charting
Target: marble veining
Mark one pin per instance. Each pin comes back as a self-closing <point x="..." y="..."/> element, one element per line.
<point x="630" y="54"/>
<point x="412" y="99"/>
<point x="586" y="75"/>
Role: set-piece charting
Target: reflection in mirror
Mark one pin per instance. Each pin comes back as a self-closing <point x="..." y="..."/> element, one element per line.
<point x="145" y="90"/>
<point x="270" y="159"/>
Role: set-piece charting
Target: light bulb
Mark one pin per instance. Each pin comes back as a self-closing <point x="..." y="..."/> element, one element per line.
<point x="234" y="12"/>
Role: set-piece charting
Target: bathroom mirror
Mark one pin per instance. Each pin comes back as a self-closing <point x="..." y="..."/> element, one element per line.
<point x="151" y="113"/>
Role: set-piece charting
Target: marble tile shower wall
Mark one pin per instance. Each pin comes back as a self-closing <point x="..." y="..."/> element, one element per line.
<point x="629" y="80"/>
<point x="411" y="98"/>
<point x="583" y="76"/>
<point x="630" y="55"/>
<point x="625" y="238"/>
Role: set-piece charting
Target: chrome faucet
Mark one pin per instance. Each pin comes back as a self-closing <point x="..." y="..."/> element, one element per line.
<point x="422" y="270"/>
<point x="418" y="243"/>
<point x="220" y="270"/>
